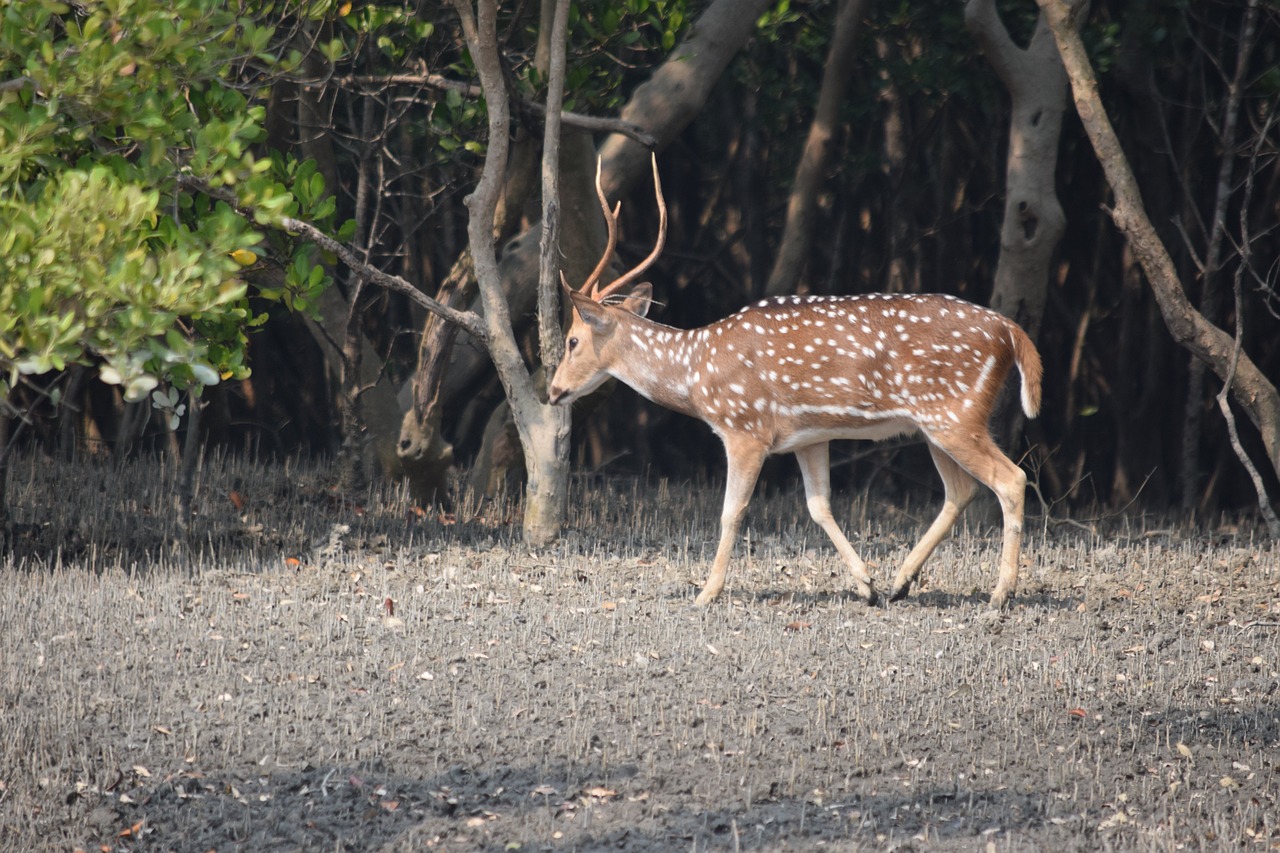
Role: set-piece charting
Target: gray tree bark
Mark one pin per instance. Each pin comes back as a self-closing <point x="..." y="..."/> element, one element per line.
<point x="663" y="106"/>
<point x="1033" y="219"/>
<point x="671" y="98"/>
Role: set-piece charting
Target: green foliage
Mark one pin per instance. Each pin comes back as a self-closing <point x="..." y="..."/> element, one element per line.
<point x="121" y="123"/>
<point x="89" y="264"/>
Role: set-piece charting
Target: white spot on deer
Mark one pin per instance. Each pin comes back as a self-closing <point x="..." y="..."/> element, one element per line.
<point x="984" y="374"/>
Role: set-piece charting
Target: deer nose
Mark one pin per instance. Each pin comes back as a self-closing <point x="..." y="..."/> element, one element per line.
<point x="555" y="395"/>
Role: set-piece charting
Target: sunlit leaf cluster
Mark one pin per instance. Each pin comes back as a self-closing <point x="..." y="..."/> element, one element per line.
<point x="130" y="149"/>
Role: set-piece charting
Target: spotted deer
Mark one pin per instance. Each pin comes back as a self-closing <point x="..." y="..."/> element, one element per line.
<point x="790" y="374"/>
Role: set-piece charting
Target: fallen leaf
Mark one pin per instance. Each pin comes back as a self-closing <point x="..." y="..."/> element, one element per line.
<point x="609" y="605"/>
<point x="599" y="792"/>
<point x="1184" y="750"/>
<point x="798" y="625"/>
<point x="1078" y="713"/>
<point x="131" y="830"/>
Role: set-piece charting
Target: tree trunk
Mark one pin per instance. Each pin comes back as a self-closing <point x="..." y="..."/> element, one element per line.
<point x="676" y="92"/>
<point x="898" y="277"/>
<point x="797" y="234"/>
<point x="425" y="456"/>
<point x="544" y="429"/>
<point x="1252" y="390"/>
<point x="1033" y="217"/>
<point x="664" y="105"/>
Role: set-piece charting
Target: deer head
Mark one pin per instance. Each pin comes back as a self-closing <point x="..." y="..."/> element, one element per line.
<point x="599" y="312"/>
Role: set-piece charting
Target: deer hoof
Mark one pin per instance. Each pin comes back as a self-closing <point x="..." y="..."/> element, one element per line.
<point x="901" y="592"/>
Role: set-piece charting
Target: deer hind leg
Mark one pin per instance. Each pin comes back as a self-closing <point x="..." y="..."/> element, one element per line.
<point x="815" y="467"/>
<point x="746" y="456"/>
<point x="960" y="487"/>
<point x="984" y="460"/>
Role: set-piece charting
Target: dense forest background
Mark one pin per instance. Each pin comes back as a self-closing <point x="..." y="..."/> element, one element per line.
<point x="911" y="199"/>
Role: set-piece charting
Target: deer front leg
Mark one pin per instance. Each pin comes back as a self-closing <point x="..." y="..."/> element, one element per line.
<point x="815" y="467"/>
<point x="745" y="455"/>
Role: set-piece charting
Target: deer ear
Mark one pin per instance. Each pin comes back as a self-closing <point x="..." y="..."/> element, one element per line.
<point x="592" y="313"/>
<point x="639" y="300"/>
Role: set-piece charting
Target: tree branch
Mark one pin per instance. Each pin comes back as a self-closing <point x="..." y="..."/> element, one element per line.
<point x="480" y="30"/>
<point x="678" y="90"/>
<point x="1189" y="328"/>
<point x="596" y="124"/>
<point x="349" y="256"/>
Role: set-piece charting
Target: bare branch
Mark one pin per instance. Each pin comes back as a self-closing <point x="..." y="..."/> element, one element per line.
<point x="351" y="257"/>
<point x="598" y="124"/>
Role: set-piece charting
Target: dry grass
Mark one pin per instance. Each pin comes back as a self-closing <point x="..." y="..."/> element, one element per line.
<point x="247" y="689"/>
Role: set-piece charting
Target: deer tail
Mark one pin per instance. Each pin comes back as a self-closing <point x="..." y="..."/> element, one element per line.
<point x="1031" y="368"/>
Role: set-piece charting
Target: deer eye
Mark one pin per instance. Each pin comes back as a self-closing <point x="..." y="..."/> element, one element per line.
<point x="572" y="344"/>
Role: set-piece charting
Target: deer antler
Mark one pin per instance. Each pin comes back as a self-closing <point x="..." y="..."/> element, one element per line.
<point x="610" y="220"/>
<point x="591" y="286"/>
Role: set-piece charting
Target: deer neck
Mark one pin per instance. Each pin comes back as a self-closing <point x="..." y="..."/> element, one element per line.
<point x="659" y="362"/>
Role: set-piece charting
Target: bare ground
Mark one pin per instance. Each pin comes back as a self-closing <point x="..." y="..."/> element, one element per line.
<point x="247" y="689"/>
